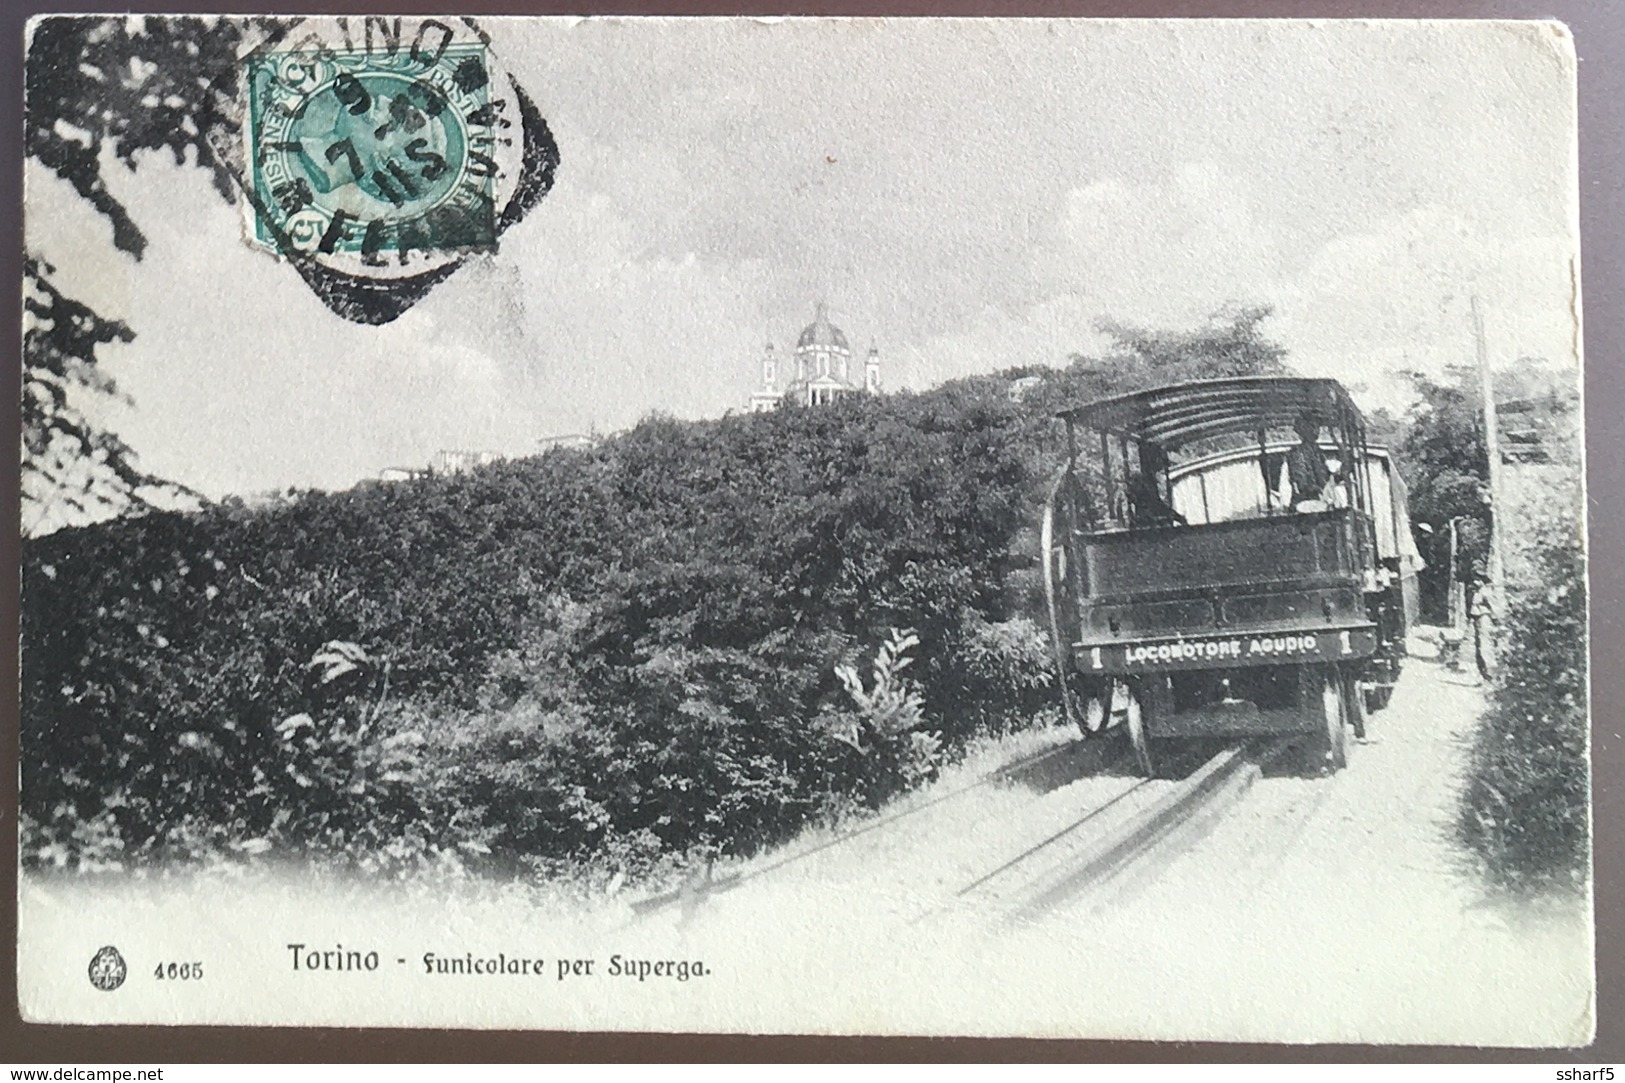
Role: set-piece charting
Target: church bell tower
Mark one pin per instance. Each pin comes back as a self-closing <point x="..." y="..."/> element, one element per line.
<point x="768" y="396"/>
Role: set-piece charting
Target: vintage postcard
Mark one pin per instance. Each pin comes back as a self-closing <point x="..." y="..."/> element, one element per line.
<point x="823" y="526"/>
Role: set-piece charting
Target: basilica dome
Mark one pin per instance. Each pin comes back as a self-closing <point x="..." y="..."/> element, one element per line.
<point x="822" y="333"/>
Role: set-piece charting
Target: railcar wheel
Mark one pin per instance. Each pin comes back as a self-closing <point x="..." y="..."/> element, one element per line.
<point x="1331" y="709"/>
<point x="1097" y="710"/>
<point x="1134" y="721"/>
<point x="1354" y="703"/>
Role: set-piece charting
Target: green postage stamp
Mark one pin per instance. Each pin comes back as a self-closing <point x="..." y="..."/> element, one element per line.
<point x="374" y="151"/>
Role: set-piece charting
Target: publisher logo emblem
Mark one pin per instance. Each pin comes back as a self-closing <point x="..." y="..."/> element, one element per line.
<point x="107" y="969"/>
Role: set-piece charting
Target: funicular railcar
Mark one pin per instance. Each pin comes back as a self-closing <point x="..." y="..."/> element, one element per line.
<point x="1261" y="584"/>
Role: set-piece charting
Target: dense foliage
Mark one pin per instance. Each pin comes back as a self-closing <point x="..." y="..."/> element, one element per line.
<point x="631" y="648"/>
<point x="65" y="457"/>
<point x="1446" y="469"/>
<point x="1525" y="812"/>
<point x="698" y="636"/>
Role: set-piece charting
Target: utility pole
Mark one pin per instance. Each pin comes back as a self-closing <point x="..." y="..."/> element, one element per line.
<point x="1492" y="448"/>
<point x="1486" y="615"/>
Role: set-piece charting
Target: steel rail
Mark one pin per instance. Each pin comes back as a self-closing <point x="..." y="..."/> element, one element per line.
<point x="727" y="882"/>
<point x="1022" y="857"/>
<point x="1193" y="802"/>
<point x="1043" y="845"/>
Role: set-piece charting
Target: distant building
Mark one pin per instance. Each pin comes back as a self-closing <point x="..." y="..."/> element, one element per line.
<point x="458" y="461"/>
<point x="1532" y="429"/>
<point x="1537" y="412"/>
<point x="821" y="369"/>
<point x="570" y="440"/>
<point x="455" y="462"/>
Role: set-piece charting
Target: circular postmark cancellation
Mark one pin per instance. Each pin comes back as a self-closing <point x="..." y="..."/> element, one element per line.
<point x="381" y="151"/>
<point x="107" y="969"/>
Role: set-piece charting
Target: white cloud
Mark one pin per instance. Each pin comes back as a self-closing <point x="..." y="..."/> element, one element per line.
<point x="1399" y="297"/>
<point x="1169" y="253"/>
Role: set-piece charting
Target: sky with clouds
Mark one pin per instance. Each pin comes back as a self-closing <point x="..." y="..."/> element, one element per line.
<point x="967" y="196"/>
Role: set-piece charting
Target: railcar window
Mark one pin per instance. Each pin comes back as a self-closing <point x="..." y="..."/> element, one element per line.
<point x="1234" y="490"/>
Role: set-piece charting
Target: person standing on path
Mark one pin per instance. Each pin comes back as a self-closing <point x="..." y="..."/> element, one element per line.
<point x="1482" y="615"/>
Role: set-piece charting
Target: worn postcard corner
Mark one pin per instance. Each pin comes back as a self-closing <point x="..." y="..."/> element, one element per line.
<point x="892" y="526"/>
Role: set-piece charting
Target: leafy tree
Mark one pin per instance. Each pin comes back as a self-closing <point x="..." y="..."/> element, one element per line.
<point x="1231" y="345"/>
<point x="1444" y="451"/>
<point x="1384" y="428"/>
<point x="142" y="83"/>
<point x="63" y="454"/>
<point x="95" y="84"/>
<point x="71" y="469"/>
<point x="1446" y="469"/>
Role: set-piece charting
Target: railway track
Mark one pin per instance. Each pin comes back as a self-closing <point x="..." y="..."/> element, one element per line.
<point x="1129" y="854"/>
<point x="709" y="884"/>
<point x="1110" y="848"/>
<point x="1135" y="834"/>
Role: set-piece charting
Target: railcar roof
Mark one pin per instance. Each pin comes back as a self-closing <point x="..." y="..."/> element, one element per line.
<point x="1210" y="459"/>
<point x="1177" y="414"/>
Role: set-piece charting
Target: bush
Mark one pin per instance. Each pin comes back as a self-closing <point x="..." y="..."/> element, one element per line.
<point x="1525" y="811"/>
<point x="629" y="652"/>
<point x="883" y="728"/>
<point x="1005" y="675"/>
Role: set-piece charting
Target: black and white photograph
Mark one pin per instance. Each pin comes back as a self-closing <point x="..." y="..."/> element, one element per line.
<point x="1002" y="527"/>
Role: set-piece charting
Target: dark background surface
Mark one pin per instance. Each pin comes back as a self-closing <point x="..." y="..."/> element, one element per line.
<point x="1599" y="32"/>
